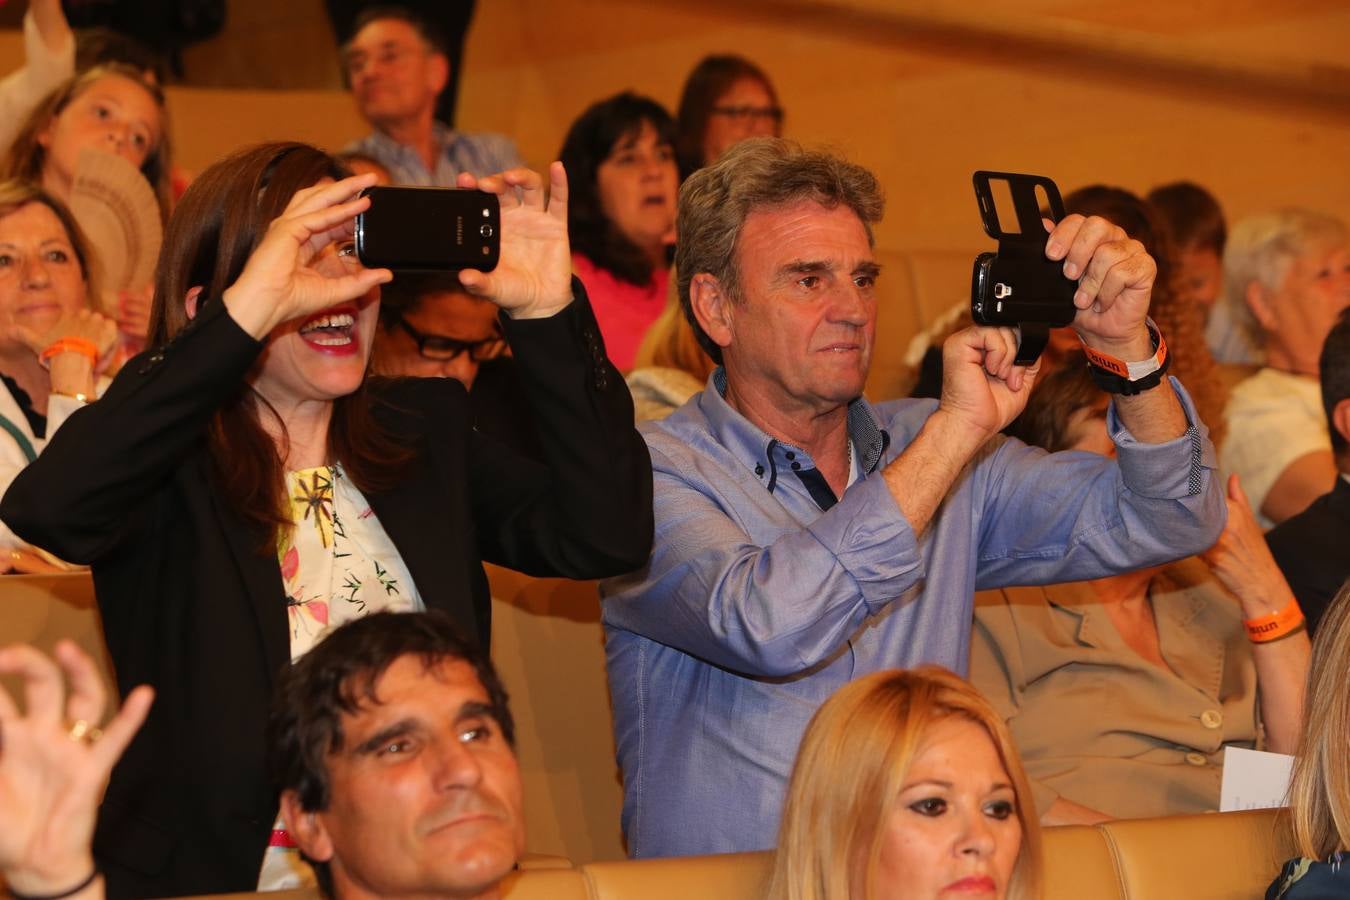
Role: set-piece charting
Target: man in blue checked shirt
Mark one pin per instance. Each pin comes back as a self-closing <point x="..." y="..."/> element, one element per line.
<point x="805" y="537"/>
<point x="396" y="67"/>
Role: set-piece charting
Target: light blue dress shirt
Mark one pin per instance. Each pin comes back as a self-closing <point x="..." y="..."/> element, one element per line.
<point x="757" y="603"/>
<point x="478" y="154"/>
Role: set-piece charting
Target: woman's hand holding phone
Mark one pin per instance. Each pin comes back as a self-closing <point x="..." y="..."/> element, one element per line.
<point x="280" y="281"/>
<point x="533" y="277"/>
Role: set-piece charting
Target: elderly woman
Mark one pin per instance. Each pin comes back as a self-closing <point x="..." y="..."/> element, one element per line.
<point x="1286" y="277"/>
<point x="621" y="220"/>
<point x="725" y="100"/>
<point x="1122" y="693"/>
<point x="52" y="346"/>
<point x="242" y="486"/>
<point x="907" y="786"/>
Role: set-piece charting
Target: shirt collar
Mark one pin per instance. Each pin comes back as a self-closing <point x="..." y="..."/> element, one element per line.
<point x="445" y="137"/>
<point x="764" y="454"/>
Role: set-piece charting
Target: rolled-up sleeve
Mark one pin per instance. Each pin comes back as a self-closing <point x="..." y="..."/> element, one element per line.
<point x="1073" y="516"/>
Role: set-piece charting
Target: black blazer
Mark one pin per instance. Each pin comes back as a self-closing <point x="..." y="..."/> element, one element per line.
<point x="1313" y="550"/>
<point x="191" y="606"/>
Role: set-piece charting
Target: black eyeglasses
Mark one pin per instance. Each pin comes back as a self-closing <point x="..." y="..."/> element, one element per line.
<point x="443" y="349"/>
<point x="745" y="113"/>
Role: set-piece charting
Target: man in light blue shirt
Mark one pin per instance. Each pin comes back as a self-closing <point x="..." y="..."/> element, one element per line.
<point x="805" y="537"/>
<point x="396" y="69"/>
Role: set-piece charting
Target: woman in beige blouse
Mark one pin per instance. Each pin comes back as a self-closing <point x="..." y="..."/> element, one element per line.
<point x="1122" y="693"/>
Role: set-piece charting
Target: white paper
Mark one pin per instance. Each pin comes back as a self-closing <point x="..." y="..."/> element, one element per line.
<point x="1253" y="779"/>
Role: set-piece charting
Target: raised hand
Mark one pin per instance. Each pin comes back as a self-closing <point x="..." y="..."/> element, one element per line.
<point x="1242" y="561"/>
<point x="133" y="312"/>
<point x="533" y="277"/>
<point x="53" y="766"/>
<point x="980" y="385"/>
<point x="280" y="281"/>
<point x="1115" y="281"/>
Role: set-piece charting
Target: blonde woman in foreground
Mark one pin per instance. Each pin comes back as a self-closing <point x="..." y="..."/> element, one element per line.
<point x="907" y="785"/>
<point x="1319" y="793"/>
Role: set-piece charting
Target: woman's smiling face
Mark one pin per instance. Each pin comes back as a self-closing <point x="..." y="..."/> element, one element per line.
<point x="325" y="355"/>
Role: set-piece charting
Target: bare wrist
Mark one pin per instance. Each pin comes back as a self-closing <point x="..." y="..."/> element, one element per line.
<point x="956" y="433"/>
<point x="256" y="319"/>
<point x="74" y="879"/>
<point x="541" y="309"/>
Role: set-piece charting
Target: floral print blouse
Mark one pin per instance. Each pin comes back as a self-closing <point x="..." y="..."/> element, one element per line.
<point x="337" y="564"/>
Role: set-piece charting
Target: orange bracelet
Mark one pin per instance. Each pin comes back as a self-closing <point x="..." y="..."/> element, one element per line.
<point x="78" y="345"/>
<point x="1274" y="626"/>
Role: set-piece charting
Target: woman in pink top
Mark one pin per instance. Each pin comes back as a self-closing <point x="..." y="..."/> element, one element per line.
<point x="620" y="159"/>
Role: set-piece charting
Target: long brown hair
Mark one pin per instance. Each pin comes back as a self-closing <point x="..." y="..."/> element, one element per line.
<point x="27" y="156"/>
<point x="214" y="229"/>
<point x="852" y="763"/>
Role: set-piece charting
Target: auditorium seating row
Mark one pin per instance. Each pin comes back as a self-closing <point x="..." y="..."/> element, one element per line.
<point x="547" y="642"/>
<point x="1225" y="856"/>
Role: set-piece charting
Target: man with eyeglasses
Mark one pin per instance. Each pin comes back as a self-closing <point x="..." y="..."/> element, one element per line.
<point x="396" y="66"/>
<point x="430" y="327"/>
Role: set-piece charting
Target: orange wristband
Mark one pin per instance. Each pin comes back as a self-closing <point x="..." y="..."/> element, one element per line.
<point x="71" y="345"/>
<point x="1274" y="626"/>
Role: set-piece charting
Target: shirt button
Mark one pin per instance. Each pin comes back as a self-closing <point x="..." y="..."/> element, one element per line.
<point x="791" y="455"/>
<point x="1211" y="718"/>
<point x="759" y="470"/>
<point x="1196" y="759"/>
<point x="796" y="466"/>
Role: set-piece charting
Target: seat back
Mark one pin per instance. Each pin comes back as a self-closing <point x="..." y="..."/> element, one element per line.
<point x="548" y="646"/>
<point x="727" y="876"/>
<point x="43" y="609"/>
<point x="1078" y="864"/>
<point x="1219" y="856"/>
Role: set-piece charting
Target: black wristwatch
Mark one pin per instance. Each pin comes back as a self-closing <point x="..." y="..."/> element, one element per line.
<point x="1115" y="376"/>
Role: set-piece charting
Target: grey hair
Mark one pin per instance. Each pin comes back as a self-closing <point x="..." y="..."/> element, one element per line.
<point x="1261" y="248"/>
<point x="756" y="174"/>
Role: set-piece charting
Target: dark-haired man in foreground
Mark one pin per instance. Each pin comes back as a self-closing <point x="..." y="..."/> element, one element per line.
<point x="393" y="747"/>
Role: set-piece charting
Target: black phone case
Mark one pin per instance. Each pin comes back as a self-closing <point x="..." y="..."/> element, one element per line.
<point x="1018" y="286"/>
<point x="429" y="229"/>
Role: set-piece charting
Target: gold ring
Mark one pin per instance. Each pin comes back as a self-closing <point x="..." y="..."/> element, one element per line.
<point x="80" y="730"/>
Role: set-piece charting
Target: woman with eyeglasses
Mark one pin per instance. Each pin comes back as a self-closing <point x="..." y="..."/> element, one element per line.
<point x="726" y="99"/>
<point x="430" y="327"/>
<point x="620" y="157"/>
<point x="242" y="486"/>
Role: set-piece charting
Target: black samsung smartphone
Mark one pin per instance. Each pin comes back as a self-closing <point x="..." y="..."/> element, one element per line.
<point x="429" y="229"/>
<point x="1018" y="285"/>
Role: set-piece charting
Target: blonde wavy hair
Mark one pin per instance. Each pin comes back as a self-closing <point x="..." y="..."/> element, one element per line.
<point x="670" y="342"/>
<point x="1319" y="791"/>
<point x="853" y="761"/>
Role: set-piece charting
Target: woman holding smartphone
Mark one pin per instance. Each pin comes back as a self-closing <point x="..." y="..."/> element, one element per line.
<point x="242" y="485"/>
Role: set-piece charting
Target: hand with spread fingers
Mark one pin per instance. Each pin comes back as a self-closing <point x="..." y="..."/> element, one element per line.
<point x="1115" y="281"/>
<point x="54" y="763"/>
<point x="533" y="277"/>
<point x="279" y="284"/>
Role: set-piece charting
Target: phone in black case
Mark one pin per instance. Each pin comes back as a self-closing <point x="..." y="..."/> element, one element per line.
<point x="429" y="229"/>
